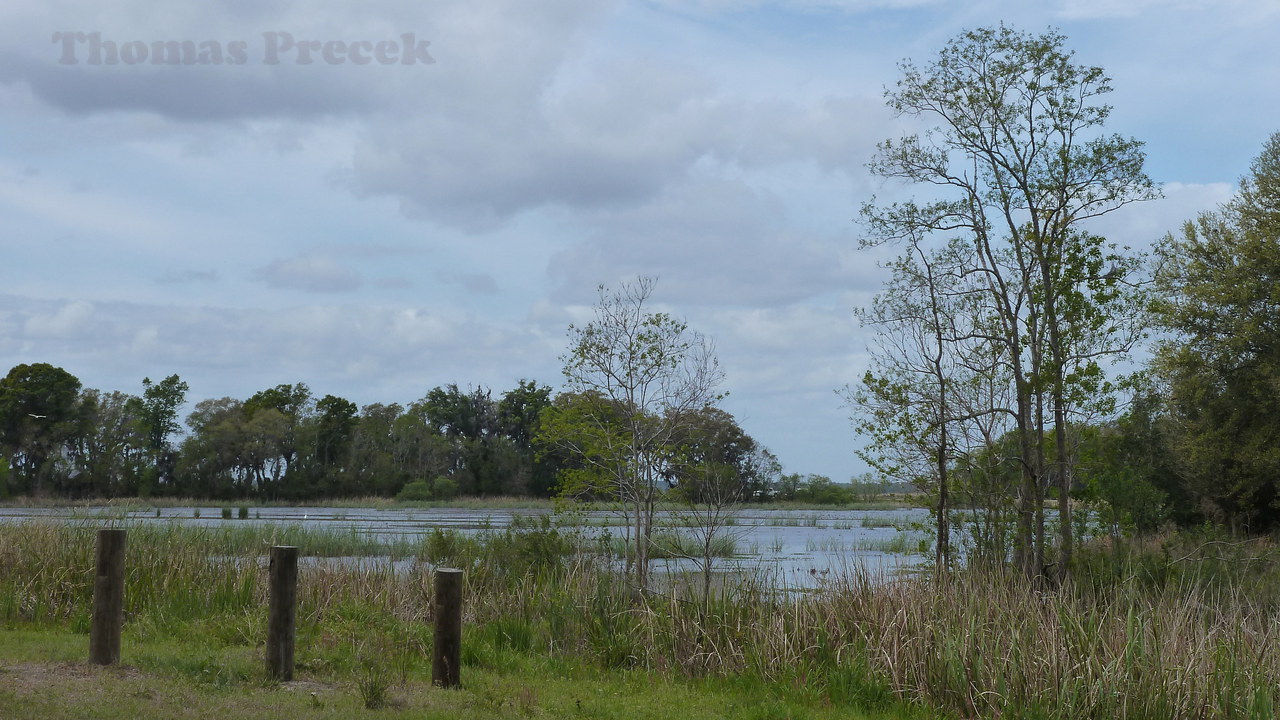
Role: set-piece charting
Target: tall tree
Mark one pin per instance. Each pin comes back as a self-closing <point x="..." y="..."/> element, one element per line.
<point x="520" y="418"/>
<point x="212" y="461"/>
<point x="110" y="448"/>
<point x="37" y="417"/>
<point x="335" y="424"/>
<point x="634" y="377"/>
<point x="274" y="417"/>
<point x="1016" y="163"/>
<point x="157" y="413"/>
<point x="1219" y="294"/>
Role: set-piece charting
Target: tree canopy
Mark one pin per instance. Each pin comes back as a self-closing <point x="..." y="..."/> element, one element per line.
<point x="1219" y="297"/>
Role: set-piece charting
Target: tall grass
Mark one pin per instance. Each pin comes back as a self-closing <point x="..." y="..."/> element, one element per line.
<point x="1166" y="628"/>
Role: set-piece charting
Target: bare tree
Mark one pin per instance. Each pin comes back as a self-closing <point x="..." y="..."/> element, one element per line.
<point x="930" y="367"/>
<point x="634" y="377"/>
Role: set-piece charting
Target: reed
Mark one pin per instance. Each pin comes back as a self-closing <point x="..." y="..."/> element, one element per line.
<point x="1162" y="628"/>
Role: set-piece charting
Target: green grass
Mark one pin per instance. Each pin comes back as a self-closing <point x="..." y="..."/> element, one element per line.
<point x="666" y="544"/>
<point x="43" y="675"/>
<point x="1171" y="627"/>
<point x="900" y="543"/>
<point x="887" y="521"/>
<point x="807" y="521"/>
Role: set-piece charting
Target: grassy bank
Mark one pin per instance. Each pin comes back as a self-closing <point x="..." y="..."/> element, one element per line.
<point x="1168" y="628"/>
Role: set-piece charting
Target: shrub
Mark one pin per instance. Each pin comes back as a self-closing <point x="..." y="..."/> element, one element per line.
<point x="416" y="491"/>
<point x="442" y="488"/>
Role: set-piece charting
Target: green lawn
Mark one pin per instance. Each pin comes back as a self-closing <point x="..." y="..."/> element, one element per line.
<point x="44" y="675"/>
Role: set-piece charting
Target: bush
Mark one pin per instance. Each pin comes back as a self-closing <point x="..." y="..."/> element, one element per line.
<point x="416" y="491"/>
<point x="821" y="490"/>
<point x="442" y="488"/>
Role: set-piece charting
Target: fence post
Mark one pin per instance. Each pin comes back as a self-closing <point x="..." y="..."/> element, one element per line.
<point x="448" y="630"/>
<point x="283" y="612"/>
<point x="108" y="599"/>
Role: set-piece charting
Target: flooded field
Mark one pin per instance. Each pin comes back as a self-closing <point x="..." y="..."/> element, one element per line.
<point x="794" y="548"/>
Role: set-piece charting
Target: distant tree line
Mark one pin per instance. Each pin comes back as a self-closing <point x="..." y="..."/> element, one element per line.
<point x="60" y="439"/>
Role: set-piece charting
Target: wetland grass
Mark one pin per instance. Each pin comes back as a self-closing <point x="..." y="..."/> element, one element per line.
<point x="1165" y="628"/>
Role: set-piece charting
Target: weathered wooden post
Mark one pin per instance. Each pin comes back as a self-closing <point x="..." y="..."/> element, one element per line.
<point x="283" y="612"/>
<point x="108" y="599"/>
<point x="448" y="632"/>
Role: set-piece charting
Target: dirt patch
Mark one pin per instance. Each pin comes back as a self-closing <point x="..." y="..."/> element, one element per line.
<point x="306" y="686"/>
<point x="27" y="677"/>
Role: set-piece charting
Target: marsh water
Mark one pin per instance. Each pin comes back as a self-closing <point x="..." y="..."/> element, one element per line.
<point x="792" y="548"/>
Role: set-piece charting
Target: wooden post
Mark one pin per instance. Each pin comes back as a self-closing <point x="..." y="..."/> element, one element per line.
<point x="448" y="632"/>
<point x="283" y="612"/>
<point x="108" y="599"/>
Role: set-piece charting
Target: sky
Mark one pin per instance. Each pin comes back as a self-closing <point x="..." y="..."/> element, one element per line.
<point x="436" y="199"/>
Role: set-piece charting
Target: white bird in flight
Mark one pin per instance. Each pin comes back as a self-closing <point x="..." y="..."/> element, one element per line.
<point x="38" y="417"/>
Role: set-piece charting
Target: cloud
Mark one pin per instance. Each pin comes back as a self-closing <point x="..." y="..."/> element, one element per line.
<point x="614" y="137"/>
<point x="844" y="6"/>
<point x="714" y="242"/>
<point x="310" y="273"/>
<point x="378" y="353"/>
<point x="63" y="322"/>
<point x="1140" y="225"/>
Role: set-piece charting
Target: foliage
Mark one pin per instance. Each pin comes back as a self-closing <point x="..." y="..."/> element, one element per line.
<point x="442" y="488"/>
<point x="1219" y="282"/>
<point x="634" y="379"/>
<point x="37" y="416"/>
<point x="1016" y="163"/>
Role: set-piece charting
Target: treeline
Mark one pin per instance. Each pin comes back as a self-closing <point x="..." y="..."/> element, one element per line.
<point x="283" y="443"/>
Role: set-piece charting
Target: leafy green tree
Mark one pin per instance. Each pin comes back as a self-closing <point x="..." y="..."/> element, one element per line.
<point x="157" y="416"/>
<point x="110" y="449"/>
<point x="1015" y="164"/>
<point x="274" y="419"/>
<point x="461" y="414"/>
<point x="484" y="460"/>
<point x="334" y="427"/>
<point x="1219" y="285"/>
<point x="159" y="412"/>
<point x="519" y="419"/>
<point x="711" y="447"/>
<point x="633" y="376"/>
<point x="932" y="375"/>
<point x="821" y="490"/>
<point x="1115" y="481"/>
<point x="38" y="404"/>
<point x="377" y="463"/>
<point x="212" y="461"/>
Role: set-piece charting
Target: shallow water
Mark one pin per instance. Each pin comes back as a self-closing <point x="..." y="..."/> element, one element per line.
<point x="794" y="548"/>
